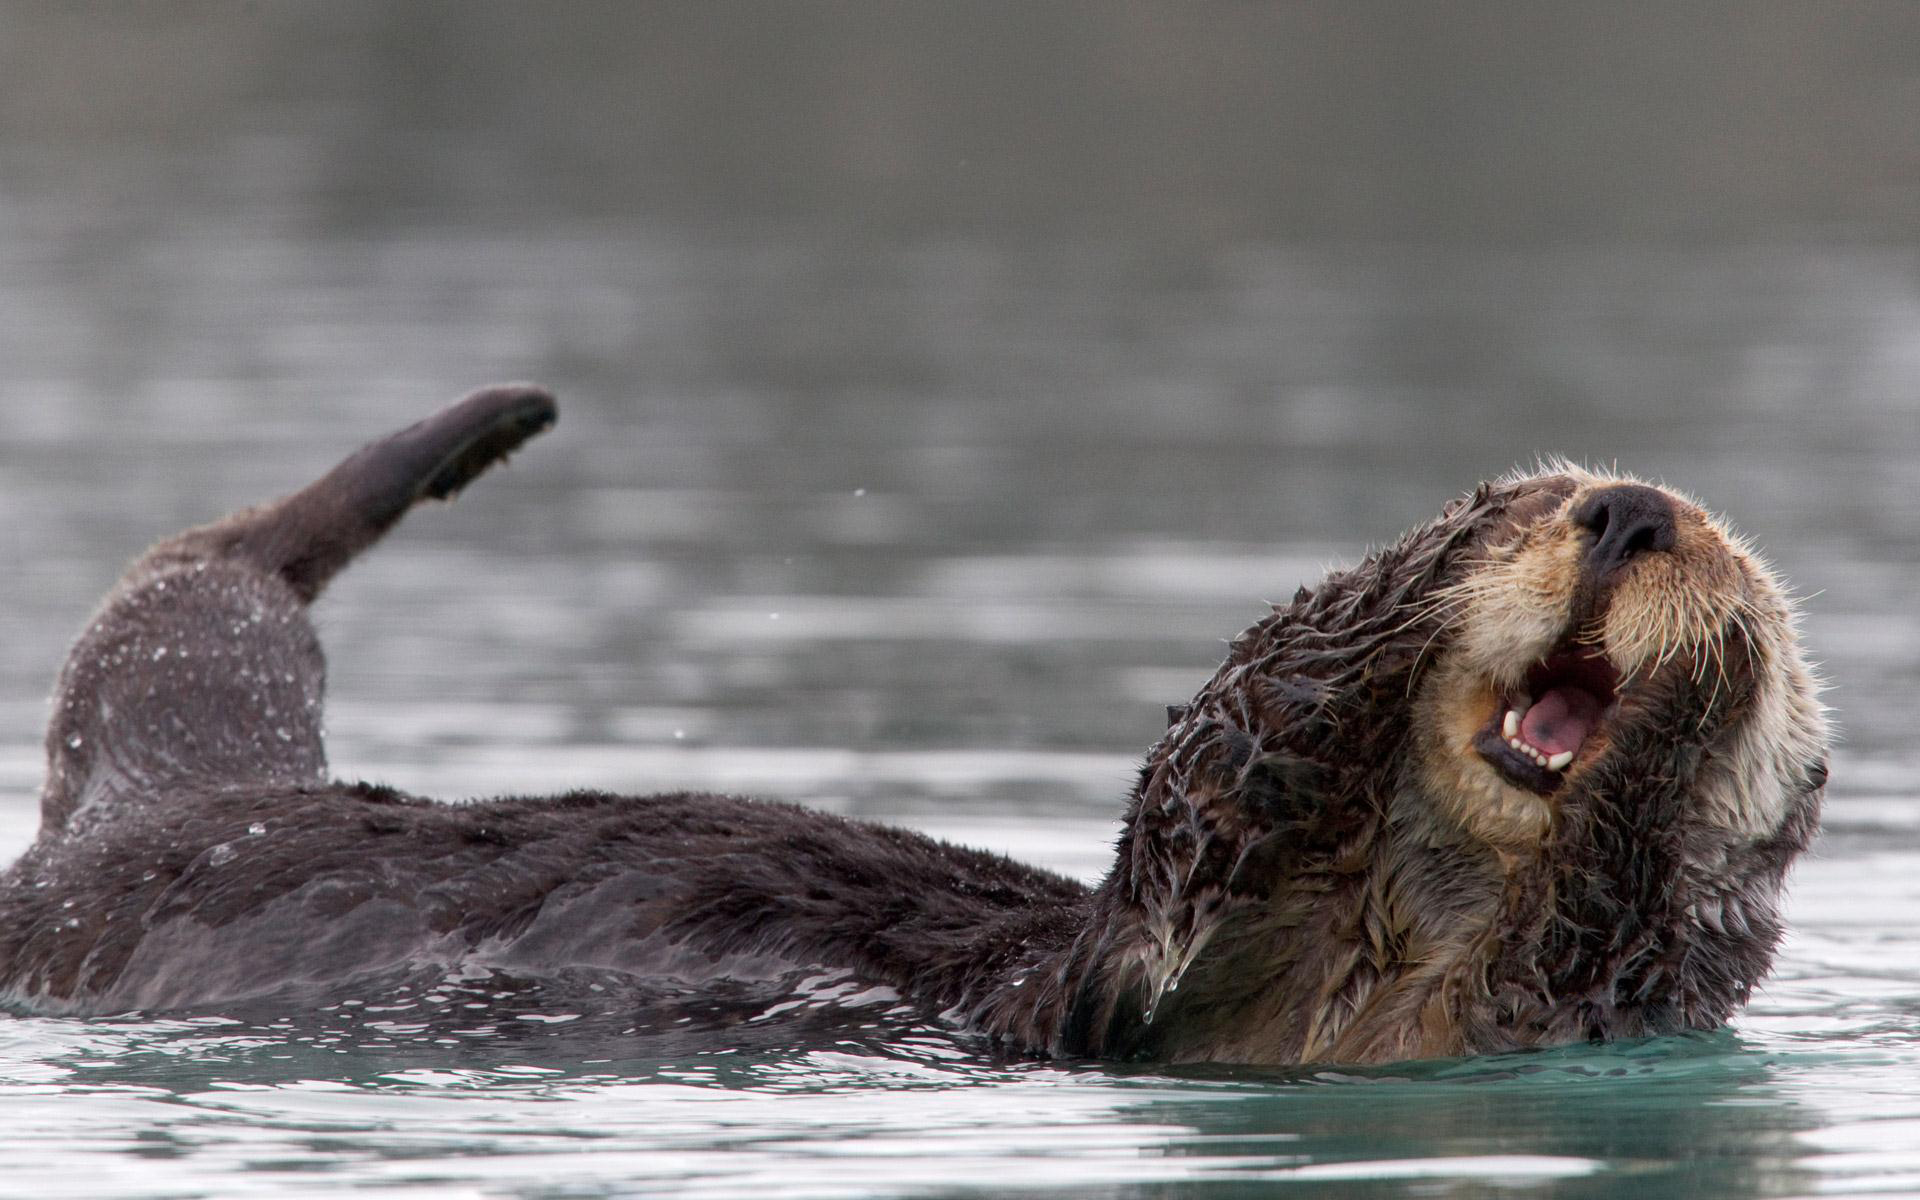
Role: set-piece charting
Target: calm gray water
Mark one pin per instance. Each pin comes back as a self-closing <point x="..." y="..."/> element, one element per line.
<point x="921" y="520"/>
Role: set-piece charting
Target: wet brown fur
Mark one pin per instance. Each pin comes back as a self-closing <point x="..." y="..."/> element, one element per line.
<point x="1315" y="865"/>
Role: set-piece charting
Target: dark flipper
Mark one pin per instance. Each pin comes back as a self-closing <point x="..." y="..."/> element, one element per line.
<point x="202" y="666"/>
<point x="308" y="537"/>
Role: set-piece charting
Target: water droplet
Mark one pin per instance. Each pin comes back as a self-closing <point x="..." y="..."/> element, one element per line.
<point x="679" y="735"/>
<point x="222" y="854"/>
<point x="859" y="491"/>
<point x="257" y="828"/>
<point x="159" y="653"/>
<point x="75" y="741"/>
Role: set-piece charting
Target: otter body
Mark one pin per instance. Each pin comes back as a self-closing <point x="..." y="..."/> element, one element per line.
<point x="1532" y="775"/>
<point x="252" y="892"/>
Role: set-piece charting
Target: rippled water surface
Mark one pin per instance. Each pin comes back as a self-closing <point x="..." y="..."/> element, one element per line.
<point x="913" y="523"/>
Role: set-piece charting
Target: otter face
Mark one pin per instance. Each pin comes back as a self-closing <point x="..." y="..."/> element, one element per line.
<point x="1600" y="618"/>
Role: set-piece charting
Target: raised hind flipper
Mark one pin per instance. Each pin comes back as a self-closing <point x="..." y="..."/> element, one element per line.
<point x="202" y="665"/>
<point x="308" y="537"/>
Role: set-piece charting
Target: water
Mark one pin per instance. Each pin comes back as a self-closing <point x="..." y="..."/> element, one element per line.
<point x="917" y="519"/>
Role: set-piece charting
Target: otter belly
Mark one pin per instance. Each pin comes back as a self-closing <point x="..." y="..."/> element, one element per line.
<point x="242" y="894"/>
<point x="301" y="946"/>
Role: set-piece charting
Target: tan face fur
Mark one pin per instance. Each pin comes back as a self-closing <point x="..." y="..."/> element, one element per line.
<point x="1526" y="598"/>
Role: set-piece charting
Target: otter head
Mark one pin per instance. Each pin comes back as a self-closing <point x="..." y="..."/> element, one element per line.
<point x="1533" y="773"/>
<point x="1605" y="639"/>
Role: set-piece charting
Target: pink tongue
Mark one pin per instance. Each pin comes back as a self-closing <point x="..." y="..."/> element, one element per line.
<point x="1560" y="720"/>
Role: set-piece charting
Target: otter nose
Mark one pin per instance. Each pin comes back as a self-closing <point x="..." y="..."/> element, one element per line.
<point x="1626" y="520"/>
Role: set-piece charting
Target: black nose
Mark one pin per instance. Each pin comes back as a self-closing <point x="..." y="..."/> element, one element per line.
<point x="1627" y="520"/>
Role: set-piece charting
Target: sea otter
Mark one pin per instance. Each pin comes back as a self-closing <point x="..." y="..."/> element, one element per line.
<point x="1532" y="774"/>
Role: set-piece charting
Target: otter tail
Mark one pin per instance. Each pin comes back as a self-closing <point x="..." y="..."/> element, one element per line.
<point x="201" y="669"/>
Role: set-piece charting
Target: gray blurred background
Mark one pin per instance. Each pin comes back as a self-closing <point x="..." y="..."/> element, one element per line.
<point x="943" y="382"/>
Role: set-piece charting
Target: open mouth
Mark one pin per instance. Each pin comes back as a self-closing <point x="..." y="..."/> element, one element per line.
<point x="1554" y="722"/>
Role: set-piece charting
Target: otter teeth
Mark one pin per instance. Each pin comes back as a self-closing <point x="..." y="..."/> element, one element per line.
<point x="1527" y="750"/>
<point x="1556" y="763"/>
<point x="1510" y="728"/>
<point x="1510" y="732"/>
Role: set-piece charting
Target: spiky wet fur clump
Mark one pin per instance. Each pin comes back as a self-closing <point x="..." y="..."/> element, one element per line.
<point x="1318" y="860"/>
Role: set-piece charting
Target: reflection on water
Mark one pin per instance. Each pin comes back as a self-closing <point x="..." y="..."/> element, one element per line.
<point x="910" y="468"/>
